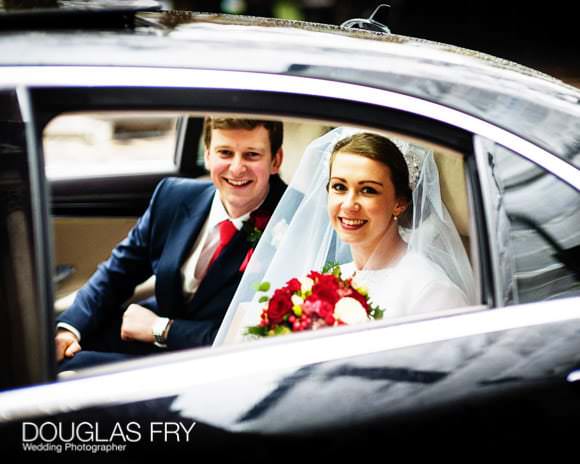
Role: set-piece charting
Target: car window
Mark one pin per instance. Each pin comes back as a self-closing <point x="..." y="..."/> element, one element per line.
<point x="104" y="231"/>
<point x="536" y="228"/>
<point x="101" y="144"/>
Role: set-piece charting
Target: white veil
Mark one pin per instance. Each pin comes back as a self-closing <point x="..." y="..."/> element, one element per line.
<point x="299" y="237"/>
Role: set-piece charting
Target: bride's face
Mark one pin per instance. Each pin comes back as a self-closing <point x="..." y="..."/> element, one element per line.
<point x="362" y="200"/>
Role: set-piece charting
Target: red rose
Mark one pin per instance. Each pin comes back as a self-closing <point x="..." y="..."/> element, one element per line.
<point x="329" y="319"/>
<point x="261" y="220"/>
<point x="279" y="305"/>
<point x="293" y="285"/>
<point x="325" y="289"/>
<point x="328" y="280"/>
<point x="314" y="275"/>
<point x="325" y="309"/>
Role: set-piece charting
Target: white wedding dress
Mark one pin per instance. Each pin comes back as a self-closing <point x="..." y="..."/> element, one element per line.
<point x="413" y="285"/>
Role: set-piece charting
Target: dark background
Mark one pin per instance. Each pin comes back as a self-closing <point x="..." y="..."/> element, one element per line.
<point x="543" y="36"/>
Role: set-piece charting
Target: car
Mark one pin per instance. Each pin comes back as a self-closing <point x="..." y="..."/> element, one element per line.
<point x="99" y="106"/>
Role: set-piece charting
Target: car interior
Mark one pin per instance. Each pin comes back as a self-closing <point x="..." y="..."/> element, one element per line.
<point x="102" y="167"/>
<point x="114" y="147"/>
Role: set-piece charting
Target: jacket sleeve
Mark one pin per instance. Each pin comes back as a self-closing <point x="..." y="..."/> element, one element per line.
<point x="191" y="334"/>
<point x="101" y="298"/>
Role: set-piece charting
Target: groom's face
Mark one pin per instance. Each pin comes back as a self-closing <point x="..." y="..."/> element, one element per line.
<point x="240" y="163"/>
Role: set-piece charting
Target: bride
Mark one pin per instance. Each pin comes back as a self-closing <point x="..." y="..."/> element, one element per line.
<point x="373" y="205"/>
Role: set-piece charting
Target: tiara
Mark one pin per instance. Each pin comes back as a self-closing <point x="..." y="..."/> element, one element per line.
<point x="414" y="156"/>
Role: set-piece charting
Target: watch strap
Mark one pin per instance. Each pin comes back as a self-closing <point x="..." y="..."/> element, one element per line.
<point x="159" y="332"/>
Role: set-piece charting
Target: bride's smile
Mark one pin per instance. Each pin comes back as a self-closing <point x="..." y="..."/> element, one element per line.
<point x="351" y="224"/>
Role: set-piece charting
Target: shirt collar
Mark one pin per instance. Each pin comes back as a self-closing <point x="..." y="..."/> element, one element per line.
<point x="218" y="213"/>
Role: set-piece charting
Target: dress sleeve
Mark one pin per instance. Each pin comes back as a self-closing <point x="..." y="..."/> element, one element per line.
<point x="436" y="296"/>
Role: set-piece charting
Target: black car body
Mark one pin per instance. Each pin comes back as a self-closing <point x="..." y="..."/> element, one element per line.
<point x="501" y="372"/>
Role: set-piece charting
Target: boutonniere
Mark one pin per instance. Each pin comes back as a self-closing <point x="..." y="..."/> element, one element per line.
<point x="254" y="228"/>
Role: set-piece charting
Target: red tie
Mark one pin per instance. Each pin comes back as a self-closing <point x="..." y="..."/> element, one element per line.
<point x="227" y="232"/>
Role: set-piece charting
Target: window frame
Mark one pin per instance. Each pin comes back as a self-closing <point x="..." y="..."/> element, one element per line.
<point x="395" y="112"/>
<point x="490" y="217"/>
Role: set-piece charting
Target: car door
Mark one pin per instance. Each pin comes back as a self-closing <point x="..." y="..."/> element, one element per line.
<point x="51" y="102"/>
<point x="434" y="354"/>
<point x="533" y="223"/>
<point x="25" y="271"/>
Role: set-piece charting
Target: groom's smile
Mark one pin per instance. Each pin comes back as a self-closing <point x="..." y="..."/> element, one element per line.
<point x="237" y="183"/>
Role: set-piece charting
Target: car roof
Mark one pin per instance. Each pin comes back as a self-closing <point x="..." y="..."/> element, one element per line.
<point x="526" y="102"/>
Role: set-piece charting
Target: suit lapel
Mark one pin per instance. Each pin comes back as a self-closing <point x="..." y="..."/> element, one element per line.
<point x="182" y="234"/>
<point x="225" y="267"/>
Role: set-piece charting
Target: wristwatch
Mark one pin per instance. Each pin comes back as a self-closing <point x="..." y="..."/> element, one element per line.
<point x="160" y="331"/>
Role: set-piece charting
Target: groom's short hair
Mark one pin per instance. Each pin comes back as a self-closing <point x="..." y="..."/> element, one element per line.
<point x="275" y="129"/>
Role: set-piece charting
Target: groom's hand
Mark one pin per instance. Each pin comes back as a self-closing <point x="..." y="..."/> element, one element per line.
<point x="138" y="324"/>
<point x="66" y="344"/>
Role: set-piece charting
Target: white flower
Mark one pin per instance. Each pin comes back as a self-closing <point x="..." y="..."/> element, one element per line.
<point x="350" y="311"/>
<point x="306" y="284"/>
<point x="296" y="300"/>
<point x="278" y="233"/>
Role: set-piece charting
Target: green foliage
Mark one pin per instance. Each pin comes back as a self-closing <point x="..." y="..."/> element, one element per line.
<point x="257" y="330"/>
<point x="262" y="286"/>
<point x="281" y="330"/>
<point x="332" y="267"/>
<point x="376" y="312"/>
<point x="253" y="234"/>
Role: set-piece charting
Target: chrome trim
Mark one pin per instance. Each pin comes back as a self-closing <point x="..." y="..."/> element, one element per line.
<point x="23" y="103"/>
<point x="212" y="365"/>
<point x="489" y="210"/>
<point x="42" y="244"/>
<point x="85" y="76"/>
<point x="474" y="235"/>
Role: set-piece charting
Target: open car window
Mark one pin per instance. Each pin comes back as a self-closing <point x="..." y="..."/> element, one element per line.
<point x="75" y="264"/>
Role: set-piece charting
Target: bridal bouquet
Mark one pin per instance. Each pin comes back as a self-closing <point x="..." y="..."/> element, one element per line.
<point x="319" y="300"/>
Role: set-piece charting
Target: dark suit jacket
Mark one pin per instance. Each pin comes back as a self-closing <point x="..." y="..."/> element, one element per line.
<point x="159" y="244"/>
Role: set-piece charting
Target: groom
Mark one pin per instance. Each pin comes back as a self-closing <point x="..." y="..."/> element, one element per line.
<point x="196" y="237"/>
